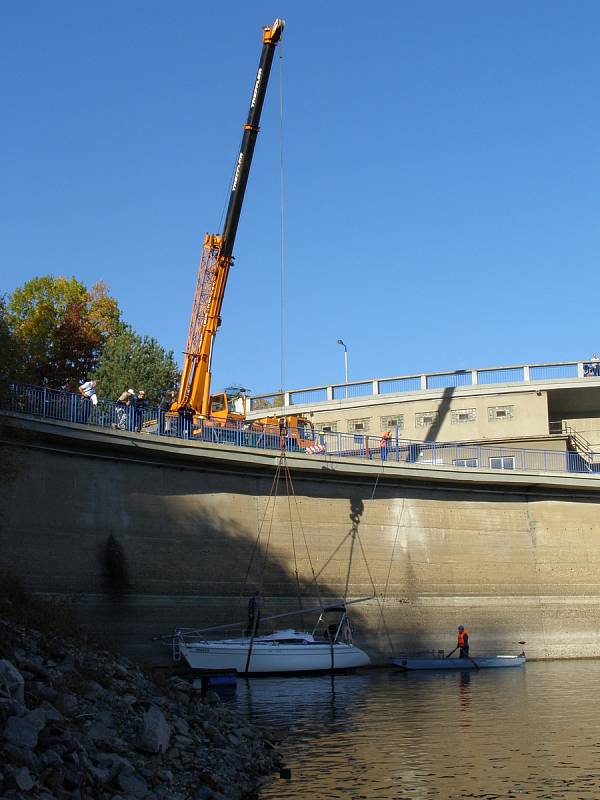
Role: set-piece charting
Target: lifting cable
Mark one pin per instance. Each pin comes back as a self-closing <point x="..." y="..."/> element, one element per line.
<point x="281" y="224"/>
<point x="379" y="603"/>
<point x="310" y="563"/>
<point x="288" y="482"/>
<point x="387" y="580"/>
<point x="272" y="496"/>
<point x="354" y="534"/>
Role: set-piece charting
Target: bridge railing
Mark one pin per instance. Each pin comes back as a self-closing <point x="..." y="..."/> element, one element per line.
<point x="57" y="404"/>
<point x="522" y="373"/>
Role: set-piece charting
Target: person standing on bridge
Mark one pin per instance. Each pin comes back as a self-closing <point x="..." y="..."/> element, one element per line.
<point x="384" y="444"/>
<point x="139" y="406"/>
<point x="89" y="398"/>
<point x="462" y="642"/>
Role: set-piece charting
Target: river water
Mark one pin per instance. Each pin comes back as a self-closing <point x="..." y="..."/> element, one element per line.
<point x="524" y="732"/>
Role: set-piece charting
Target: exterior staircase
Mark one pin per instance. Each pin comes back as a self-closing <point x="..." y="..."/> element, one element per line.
<point x="578" y="445"/>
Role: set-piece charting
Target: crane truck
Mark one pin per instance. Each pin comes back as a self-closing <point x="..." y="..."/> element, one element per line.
<point x="228" y="407"/>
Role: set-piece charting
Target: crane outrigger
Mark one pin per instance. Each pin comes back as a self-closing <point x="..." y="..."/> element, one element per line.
<point x="215" y="263"/>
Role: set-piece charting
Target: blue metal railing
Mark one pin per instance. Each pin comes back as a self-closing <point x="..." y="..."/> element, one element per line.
<point x="429" y="381"/>
<point x="552" y="372"/>
<point x="509" y="375"/>
<point x="364" y="389"/>
<point x="74" y="409"/>
<point x="449" y="380"/>
<point x="308" y="396"/>
<point x="393" y="385"/>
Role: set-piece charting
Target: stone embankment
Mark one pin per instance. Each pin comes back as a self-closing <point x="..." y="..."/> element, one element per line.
<point x="78" y="722"/>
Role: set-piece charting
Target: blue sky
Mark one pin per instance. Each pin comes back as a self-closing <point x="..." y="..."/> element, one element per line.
<point x="442" y="173"/>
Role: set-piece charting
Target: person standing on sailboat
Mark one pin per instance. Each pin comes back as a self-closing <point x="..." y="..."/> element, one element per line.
<point x="253" y="614"/>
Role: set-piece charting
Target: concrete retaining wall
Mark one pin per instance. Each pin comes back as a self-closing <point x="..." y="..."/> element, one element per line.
<point x="142" y="535"/>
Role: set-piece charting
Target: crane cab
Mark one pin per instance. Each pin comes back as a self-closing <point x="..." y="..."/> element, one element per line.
<point x="228" y="406"/>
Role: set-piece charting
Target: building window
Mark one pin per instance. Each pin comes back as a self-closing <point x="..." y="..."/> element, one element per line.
<point x="428" y="457"/>
<point x="425" y="419"/>
<point x="464" y="415"/>
<point x="358" y="425"/>
<point x="499" y="413"/>
<point x="466" y="462"/>
<point x="390" y="423"/>
<point x="327" y="427"/>
<point x="502" y="462"/>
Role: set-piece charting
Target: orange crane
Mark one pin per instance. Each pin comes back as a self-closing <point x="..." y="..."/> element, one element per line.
<point x="217" y="258"/>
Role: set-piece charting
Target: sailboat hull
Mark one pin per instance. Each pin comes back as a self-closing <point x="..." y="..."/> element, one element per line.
<point x="271" y="657"/>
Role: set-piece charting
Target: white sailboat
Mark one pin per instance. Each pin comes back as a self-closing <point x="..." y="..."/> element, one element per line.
<point x="328" y="647"/>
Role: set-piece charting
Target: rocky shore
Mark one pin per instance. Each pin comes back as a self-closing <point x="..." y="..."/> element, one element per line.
<point x="79" y="722"/>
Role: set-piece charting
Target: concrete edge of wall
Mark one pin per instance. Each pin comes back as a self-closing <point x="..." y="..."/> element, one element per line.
<point x="219" y="456"/>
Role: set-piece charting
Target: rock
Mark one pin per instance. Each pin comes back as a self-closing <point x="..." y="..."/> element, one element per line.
<point x="113" y="763"/>
<point x="51" y="759"/>
<point x="100" y="733"/>
<point x="183" y="742"/>
<point x="156" y="733"/>
<point x="53" y="778"/>
<point x="94" y="691"/>
<point x="215" y="735"/>
<point x="72" y="779"/>
<point x="12" y="684"/>
<point x="24" y="731"/>
<point x="68" y="703"/>
<point x="36" y="666"/>
<point x="132" y="784"/>
<point x="52" y="714"/>
<point x="181" y="726"/>
<point x="44" y="692"/>
<point x="166" y="776"/>
<point x="10" y="708"/>
<point x="212" y="698"/>
<point x="23" y="779"/>
<point x="121" y="671"/>
<point x="206" y="793"/>
<point x="23" y="756"/>
<point x="99" y="774"/>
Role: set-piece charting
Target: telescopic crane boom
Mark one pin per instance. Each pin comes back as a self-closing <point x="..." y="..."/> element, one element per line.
<point x="217" y="253"/>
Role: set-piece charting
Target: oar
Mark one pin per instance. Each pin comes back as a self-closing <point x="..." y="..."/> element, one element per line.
<point x="475" y="664"/>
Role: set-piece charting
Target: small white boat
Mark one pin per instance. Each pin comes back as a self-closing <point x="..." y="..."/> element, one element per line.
<point x="328" y="647"/>
<point x="478" y="662"/>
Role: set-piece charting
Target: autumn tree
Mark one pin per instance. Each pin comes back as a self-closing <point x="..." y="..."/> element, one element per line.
<point x="59" y="328"/>
<point x="129" y="361"/>
<point x="8" y="354"/>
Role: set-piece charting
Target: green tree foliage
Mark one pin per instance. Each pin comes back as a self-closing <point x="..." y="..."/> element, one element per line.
<point x="8" y="355"/>
<point x="58" y="329"/>
<point x="129" y="361"/>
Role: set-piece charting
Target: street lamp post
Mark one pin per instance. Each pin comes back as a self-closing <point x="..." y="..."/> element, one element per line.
<point x="339" y="341"/>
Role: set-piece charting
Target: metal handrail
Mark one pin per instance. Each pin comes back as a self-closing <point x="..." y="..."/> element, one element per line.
<point x="520" y="373"/>
<point x="73" y="409"/>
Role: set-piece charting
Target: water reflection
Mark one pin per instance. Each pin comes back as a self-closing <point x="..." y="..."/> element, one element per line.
<point x="491" y="734"/>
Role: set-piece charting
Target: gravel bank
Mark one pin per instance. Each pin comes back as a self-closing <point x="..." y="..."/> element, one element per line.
<point x="79" y="722"/>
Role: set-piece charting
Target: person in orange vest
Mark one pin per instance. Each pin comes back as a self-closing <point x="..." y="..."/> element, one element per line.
<point x="384" y="444"/>
<point x="463" y="641"/>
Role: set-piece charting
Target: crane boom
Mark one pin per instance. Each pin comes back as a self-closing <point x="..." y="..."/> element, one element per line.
<point x="217" y="252"/>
